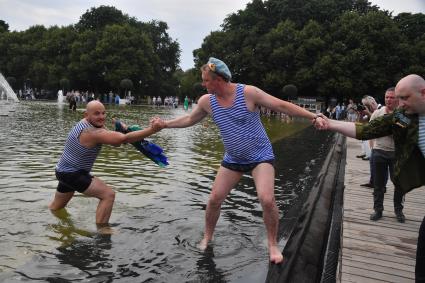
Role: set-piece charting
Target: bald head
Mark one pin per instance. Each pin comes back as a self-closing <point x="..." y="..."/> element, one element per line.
<point x="95" y="113"/>
<point x="413" y="83"/>
<point x="94" y="105"/>
<point x="411" y="93"/>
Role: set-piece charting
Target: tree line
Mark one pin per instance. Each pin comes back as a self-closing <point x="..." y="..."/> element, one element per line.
<point x="327" y="48"/>
<point x="104" y="48"/>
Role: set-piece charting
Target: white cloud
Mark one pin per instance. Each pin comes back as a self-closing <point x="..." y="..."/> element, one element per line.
<point x="398" y="6"/>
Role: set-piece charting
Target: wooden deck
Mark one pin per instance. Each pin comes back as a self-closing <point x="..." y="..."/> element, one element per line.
<point x="381" y="251"/>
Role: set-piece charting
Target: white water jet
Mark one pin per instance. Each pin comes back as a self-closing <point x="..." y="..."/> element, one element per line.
<point x="5" y="89"/>
<point x="60" y="97"/>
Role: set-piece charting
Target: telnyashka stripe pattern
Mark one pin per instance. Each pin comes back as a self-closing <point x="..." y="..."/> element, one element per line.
<point x="244" y="137"/>
<point x="421" y="139"/>
<point x="76" y="156"/>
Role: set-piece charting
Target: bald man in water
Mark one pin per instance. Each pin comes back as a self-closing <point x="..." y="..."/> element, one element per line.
<point x="81" y="149"/>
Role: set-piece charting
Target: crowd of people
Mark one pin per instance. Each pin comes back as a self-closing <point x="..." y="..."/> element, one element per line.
<point x="352" y="111"/>
<point x="76" y="97"/>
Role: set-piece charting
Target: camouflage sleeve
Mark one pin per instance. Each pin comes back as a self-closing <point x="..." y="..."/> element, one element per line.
<point x="379" y="127"/>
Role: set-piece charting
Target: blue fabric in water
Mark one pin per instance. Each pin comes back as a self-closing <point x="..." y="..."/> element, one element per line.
<point x="152" y="151"/>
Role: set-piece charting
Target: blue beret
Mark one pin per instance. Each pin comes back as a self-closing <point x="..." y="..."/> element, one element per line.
<point x="220" y="68"/>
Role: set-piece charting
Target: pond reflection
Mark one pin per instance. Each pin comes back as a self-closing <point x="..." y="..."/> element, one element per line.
<point x="158" y="215"/>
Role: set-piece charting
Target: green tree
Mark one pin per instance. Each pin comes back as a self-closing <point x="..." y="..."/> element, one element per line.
<point x="126" y="85"/>
<point x="289" y="91"/>
<point x="367" y="53"/>
<point x="11" y="81"/>
<point x="100" y="17"/>
<point x="55" y="50"/>
<point x="343" y="48"/>
<point x="412" y="25"/>
<point x="64" y="84"/>
<point x="94" y="54"/>
<point x="166" y="61"/>
<point x="190" y="85"/>
<point x="123" y="51"/>
<point x="4" y="27"/>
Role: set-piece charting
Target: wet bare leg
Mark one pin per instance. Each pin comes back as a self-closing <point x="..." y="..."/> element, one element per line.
<point x="212" y="214"/>
<point x="224" y="182"/>
<point x="263" y="176"/>
<point x="106" y="197"/>
<point x="271" y="221"/>
<point x="60" y="200"/>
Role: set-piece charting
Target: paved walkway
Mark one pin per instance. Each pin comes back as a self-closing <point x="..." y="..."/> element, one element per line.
<point x="381" y="251"/>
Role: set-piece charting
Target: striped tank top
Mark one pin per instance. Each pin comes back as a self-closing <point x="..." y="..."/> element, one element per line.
<point x="244" y="137"/>
<point x="421" y="130"/>
<point x="76" y="156"/>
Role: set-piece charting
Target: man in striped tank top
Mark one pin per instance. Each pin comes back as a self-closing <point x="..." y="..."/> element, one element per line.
<point x="235" y="109"/>
<point x="81" y="149"/>
<point x="407" y="126"/>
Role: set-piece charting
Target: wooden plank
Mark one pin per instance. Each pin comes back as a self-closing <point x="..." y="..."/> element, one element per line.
<point x="402" y="243"/>
<point x="357" y="275"/>
<point x="370" y="262"/>
<point x="379" y="248"/>
<point x="371" y="256"/>
<point x="382" y="271"/>
<point x="371" y="229"/>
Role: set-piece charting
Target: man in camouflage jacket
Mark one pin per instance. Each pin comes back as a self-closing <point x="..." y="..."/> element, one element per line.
<point x="409" y="168"/>
<point x="407" y="126"/>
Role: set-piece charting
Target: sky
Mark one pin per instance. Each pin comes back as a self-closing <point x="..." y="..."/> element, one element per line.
<point x="189" y="21"/>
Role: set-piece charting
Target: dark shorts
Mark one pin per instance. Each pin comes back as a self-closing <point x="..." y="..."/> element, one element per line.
<point x="73" y="181"/>
<point x="244" y="167"/>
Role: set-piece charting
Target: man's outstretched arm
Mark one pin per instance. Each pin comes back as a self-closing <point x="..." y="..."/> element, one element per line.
<point x="346" y="128"/>
<point x="197" y="114"/>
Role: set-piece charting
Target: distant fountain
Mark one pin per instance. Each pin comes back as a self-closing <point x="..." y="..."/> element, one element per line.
<point x="6" y="91"/>
<point x="60" y="97"/>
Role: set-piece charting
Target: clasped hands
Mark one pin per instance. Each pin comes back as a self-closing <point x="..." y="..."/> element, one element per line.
<point x="157" y="123"/>
<point x="320" y="122"/>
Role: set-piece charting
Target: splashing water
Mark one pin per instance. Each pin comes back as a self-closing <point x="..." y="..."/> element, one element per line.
<point x="6" y="92"/>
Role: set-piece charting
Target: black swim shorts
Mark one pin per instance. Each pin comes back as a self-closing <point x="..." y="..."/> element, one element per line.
<point x="245" y="168"/>
<point x="73" y="181"/>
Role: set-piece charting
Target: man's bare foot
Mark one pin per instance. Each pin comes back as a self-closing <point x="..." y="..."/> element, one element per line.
<point x="276" y="256"/>
<point x="105" y="229"/>
<point x="203" y="244"/>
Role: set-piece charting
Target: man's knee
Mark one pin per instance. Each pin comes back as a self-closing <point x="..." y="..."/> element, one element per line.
<point x="214" y="201"/>
<point x="267" y="201"/>
<point x="109" y="195"/>
<point x="56" y="205"/>
<point x="52" y="206"/>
